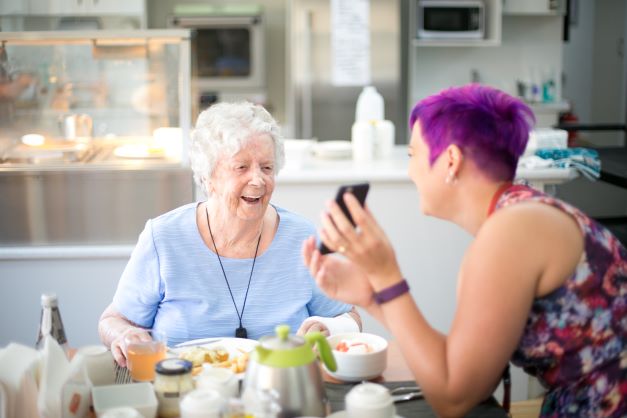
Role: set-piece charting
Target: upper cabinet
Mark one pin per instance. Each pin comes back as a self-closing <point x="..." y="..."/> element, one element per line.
<point x="534" y="7"/>
<point x="455" y="22"/>
<point x="73" y="7"/>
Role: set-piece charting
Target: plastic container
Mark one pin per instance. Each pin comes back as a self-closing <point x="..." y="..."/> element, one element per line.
<point x="370" y="105"/>
<point x="50" y="322"/>
<point x="363" y="134"/>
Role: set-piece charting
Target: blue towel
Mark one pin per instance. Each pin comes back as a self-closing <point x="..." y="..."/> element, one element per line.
<point x="584" y="160"/>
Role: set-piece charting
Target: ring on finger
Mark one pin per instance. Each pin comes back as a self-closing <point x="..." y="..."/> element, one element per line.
<point x="341" y="249"/>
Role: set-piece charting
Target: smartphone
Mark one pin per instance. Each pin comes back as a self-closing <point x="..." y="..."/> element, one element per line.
<point x="359" y="191"/>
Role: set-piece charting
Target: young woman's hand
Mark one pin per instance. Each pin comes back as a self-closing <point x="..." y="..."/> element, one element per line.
<point x="337" y="277"/>
<point x="366" y="245"/>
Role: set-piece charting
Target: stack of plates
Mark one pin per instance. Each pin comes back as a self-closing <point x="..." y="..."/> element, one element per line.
<point x="333" y="150"/>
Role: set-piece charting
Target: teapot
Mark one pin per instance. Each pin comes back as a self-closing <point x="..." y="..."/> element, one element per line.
<point x="288" y="366"/>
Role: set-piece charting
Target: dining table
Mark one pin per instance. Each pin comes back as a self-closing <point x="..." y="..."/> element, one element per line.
<point x="398" y="375"/>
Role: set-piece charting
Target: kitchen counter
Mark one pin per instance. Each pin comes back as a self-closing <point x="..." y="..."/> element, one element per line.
<point x="316" y="170"/>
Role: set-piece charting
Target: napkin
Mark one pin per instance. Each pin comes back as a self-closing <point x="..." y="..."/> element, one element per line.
<point x="19" y="372"/>
<point x="55" y="369"/>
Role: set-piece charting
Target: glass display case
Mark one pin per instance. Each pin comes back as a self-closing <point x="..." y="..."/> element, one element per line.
<point x="93" y="98"/>
<point x="94" y="127"/>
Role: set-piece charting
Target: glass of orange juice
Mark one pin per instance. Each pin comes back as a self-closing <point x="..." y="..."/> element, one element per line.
<point x="144" y="349"/>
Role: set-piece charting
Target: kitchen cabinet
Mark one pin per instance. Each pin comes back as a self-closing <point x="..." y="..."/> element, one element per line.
<point x="14" y="7"/>
<point x="80" y="7"/>
<point x="534" y="7"/>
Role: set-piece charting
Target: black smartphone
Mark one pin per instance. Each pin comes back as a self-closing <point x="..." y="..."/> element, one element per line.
<point x="359" y="191"/>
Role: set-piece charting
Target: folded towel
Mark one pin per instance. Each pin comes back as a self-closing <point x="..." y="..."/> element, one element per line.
<point x="584" y="160"/>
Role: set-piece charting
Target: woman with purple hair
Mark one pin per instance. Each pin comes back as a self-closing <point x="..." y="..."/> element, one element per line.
<point x="542" y="285"/>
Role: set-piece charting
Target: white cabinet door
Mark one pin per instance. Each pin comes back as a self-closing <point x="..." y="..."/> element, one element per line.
<point x="81" y="7"/>
<point x="115" y="7"/>
<point x="534" y="7"/>
<point x="12" y="7"/>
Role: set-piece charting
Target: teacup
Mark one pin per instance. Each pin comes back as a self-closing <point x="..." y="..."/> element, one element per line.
<point x="369" y="400"/>
<point x="144" y="349"/>
<point x="99" y="364"/>
<point x="222" y="380"/>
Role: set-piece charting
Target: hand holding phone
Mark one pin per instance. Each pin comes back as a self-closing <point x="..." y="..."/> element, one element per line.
<point x="359" y="191"/>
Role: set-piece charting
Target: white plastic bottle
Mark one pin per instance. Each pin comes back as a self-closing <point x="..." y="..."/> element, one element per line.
<point x="370" y="105"/>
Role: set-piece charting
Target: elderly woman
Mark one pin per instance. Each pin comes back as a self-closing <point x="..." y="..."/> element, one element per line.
<point x="228" y="266"/>
<point x="542" y="284"/>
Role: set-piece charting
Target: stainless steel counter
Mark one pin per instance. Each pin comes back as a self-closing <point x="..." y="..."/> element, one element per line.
<point x="95" y="205"/>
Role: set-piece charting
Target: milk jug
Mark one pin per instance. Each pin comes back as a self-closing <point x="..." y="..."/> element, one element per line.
<point x="370" y="105"/>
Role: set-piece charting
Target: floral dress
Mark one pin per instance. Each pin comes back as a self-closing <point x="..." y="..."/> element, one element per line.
<point x="574" y="339"/>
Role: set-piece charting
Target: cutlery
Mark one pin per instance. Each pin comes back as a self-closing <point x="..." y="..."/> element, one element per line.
<point x="198" y="342"/>
<point x="406" y="393"/>
<point x="407" y="396"/>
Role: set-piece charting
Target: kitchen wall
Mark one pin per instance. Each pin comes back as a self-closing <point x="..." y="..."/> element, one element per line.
<point x="595" y="80"/>
<point x="595" y="73"/>
<point x="528" y="43"/>
<point x="275" y="14"/>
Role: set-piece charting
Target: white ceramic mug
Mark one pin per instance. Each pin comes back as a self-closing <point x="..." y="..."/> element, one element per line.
<point x="222" y="380"/>
<point x="369" y="400"/>
<point x="99" y="364"/>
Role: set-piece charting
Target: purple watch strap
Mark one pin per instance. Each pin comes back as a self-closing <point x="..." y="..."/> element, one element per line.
<point x="391" y="292"/>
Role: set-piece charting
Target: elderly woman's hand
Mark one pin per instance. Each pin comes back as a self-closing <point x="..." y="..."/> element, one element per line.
<point x="366" y="245"/>
<point x="311" y="325"/>
<point x="119" y="345"/>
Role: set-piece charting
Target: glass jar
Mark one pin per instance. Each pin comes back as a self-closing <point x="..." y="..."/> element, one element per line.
<point x="173" y="380"/>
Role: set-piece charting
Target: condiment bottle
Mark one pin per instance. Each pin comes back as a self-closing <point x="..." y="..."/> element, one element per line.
<point x="50" y="322"/>
<point x="173" y="380"/>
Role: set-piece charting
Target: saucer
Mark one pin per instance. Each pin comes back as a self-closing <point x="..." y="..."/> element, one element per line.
<point x="344" y="414"/>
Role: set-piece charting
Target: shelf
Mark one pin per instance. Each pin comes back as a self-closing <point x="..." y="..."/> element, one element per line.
<point x="549" y="107"/>
<point x="455" y="42"/>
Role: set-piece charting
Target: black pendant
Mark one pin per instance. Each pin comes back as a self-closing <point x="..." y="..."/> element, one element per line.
<point x="241" y="333"/>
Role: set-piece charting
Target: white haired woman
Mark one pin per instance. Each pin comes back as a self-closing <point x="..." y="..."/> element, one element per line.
<point x="228" y="266"/>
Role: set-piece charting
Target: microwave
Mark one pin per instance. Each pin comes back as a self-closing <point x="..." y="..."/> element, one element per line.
<point x="227" y="50"/>
<point x="451" y="19"/>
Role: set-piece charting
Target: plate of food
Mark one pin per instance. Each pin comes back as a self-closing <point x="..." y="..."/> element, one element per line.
<point x="229" y="353"/>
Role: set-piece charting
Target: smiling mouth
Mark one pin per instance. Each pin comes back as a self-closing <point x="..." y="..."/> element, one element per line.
<point x="251" y="199"/>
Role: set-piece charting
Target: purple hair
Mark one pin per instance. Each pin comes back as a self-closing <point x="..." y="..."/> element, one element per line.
<point x="490" y="126"/>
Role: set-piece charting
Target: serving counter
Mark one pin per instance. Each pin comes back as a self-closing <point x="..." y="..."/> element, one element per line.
<point x="93" y="125"/>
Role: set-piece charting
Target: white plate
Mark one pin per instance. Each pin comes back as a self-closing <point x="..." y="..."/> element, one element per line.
<point x="344" y="414"/>
<point x="234" y="346"/>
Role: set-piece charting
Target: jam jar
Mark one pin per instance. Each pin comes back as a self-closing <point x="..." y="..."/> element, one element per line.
<point x="173" y="380"/>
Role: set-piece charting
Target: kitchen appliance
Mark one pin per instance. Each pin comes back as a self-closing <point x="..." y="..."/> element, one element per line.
<point x="315" y="106"/>
<point x="287" y="366"/>
<point x="228" y="52"/>
<point x="451" y="19"/>
<point x="76" y="126"/>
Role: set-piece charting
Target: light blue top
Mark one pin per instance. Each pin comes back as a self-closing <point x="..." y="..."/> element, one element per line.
<point x="174" y="283"/>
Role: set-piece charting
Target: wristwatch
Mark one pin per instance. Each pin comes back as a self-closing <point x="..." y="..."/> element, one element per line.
<point x="391" y="292"/>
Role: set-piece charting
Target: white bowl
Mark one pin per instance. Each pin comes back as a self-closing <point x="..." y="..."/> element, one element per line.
<point x="140" y="396"/>
<point x="355" y="367"/>
<point x="298" y="152"/>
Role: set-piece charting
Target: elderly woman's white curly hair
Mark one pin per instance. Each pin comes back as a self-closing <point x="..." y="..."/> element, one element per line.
<point x="221" y="131"/>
